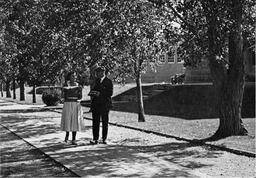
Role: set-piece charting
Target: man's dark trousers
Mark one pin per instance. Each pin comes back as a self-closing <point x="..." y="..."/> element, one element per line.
<point x="96" y="115"/>
<point x="100" y="107"/>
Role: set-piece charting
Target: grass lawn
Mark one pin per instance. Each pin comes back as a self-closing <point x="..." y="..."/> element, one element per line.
<point x="189" y="129"/>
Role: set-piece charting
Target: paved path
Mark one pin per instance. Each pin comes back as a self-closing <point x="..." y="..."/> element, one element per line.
<point x="20" y="159"/>
<point x="130" y="153"/>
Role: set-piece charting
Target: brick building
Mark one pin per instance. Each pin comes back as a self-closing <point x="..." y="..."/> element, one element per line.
<point x="170" y="65"/>
<point x="167" y="66"/>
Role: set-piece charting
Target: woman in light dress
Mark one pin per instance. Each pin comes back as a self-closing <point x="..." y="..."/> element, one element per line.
<point x="72" y="115"/>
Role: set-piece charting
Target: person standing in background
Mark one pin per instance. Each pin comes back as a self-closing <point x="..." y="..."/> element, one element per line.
<point x="72" y="115"/>
<point x="101" y="104"/>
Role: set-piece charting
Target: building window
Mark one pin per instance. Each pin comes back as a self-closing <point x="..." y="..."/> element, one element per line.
<point x="162" y="59"/>
<point x="170" y="56"/>
<point x="179" y="55"/>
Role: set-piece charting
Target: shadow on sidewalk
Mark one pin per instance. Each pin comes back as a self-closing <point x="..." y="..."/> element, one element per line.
<point x="6" y="104"/>
<point x="121" y="158"/>
<point x="28" y="125"/>
<point x="19" y="159"/>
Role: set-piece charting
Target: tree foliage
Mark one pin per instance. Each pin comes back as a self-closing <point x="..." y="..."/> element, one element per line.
<point x="195" y="36"/>
<point x="137" y="37"/>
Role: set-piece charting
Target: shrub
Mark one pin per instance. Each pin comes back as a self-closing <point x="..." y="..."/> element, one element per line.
<point x="51" y="96"/>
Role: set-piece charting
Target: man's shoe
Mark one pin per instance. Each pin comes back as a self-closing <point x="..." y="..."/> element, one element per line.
<point x="93" y="142"/>
<point x="73" y="142"/>
<point x="104" y="142"/>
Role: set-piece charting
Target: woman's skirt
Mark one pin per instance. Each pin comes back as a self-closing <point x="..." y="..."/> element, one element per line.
<point x="72" y="117"/>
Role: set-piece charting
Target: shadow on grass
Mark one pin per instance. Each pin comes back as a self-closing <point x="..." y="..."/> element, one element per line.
<point x="165" y="108"/>
<point x="183" y="101"/>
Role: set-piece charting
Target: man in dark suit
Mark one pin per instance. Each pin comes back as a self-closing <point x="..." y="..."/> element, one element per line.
<point x="101" y="104"/>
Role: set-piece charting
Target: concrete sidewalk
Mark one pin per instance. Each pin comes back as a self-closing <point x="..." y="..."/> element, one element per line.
<point x="130" y="153"/>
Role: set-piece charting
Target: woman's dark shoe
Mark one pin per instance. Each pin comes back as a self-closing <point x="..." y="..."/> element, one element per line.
<point x="94" y="142"/>
<point x="66" y="139"/>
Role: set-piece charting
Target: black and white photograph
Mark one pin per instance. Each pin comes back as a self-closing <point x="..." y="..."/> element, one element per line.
<point x="127" y="88"/>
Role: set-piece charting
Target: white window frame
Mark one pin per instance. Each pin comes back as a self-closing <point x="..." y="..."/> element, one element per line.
<point x="162" y="62"/>
<point x="177" y="57"/>
<point x="173" y="56"/>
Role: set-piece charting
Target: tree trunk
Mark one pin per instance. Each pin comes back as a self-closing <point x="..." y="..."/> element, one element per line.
<point x="229" y="81"/>
<point x="92" y="80"/>
<point x="141" y="113"/>
<point x="14" y="88"/>
<point x="232" y="92"/>
<point x="22" y="90"/>
<point x="34" y="94"/>
<point x="7" y="85"/>
<point x="1" y="87"/>
<point x="92" y="76"/>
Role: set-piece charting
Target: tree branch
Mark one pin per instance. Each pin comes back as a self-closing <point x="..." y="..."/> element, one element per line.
<point x="167" y="5"/>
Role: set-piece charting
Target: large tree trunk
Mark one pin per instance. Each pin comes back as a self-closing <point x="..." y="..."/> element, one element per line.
<point x="22" y="90"/>
<point x="141" y="113"/>
<point x="14" y="88"/>
<point x="34" y="93"/>
<point x="229" y="81"/>
<point x="232" y="92"/>
<point x="7" y="89"/>
<point x="230" y="110"/>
